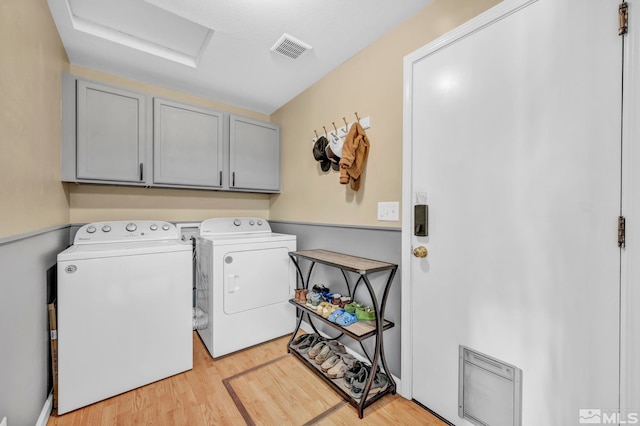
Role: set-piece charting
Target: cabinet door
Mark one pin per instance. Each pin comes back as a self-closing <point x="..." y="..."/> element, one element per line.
<point x="187" y="145"/>
<point x="254" y="154"/>
<point x="110" y="133"/>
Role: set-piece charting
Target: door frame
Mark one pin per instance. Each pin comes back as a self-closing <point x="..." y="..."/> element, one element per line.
<point x="630" y="273"/>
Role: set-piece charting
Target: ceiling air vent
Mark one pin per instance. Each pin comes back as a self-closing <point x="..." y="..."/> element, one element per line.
<point x="290" y="47"/>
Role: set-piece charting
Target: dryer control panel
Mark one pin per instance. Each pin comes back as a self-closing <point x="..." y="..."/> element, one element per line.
<point x="120" y="231"/>
<point x="231" y="226"/>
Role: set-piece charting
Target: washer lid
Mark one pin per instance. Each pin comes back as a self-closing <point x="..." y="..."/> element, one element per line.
<point x="134" y="248"/>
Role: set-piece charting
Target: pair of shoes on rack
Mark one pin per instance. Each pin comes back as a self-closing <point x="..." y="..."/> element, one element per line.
<point x="320" y="344"/>
<point x="365" y="313"/>
<point x="342" y="317"/>
<point x="320" y="288"/>
<point x="313" y="299"/>
<point x="305" y="342"/>
<point x="352" y="372"/>
<point x="324" y="350"/>
<point x="301" y="295"/>
<point x="351" y="307"/>
<point x="327" y="309"/>
<point x="359" y="381"/>
<point x="337" y="366"/>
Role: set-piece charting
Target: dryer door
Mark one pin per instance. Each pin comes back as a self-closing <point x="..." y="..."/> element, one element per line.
<point x="255" y="278"/>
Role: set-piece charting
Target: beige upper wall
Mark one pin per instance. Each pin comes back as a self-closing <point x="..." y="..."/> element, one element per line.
<point x="95" y="203"/>
<point x="371" y="84"/>
<point x="33" y="58"/>
<point x="33" y="197"/>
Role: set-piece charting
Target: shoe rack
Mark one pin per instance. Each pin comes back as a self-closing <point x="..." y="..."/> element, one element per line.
<point x="359" y="331"/>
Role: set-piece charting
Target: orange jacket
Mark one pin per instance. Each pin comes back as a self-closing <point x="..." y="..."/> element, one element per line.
<point x="355" y="151"/>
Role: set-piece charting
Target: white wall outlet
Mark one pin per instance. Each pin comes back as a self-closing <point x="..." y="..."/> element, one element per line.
<point x="389" y="211"/>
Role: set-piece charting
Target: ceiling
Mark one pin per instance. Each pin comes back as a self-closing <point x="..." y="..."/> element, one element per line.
<point x="221" y="49"/>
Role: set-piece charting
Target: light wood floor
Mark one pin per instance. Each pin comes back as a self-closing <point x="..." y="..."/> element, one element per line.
<point x="271" y="387"/>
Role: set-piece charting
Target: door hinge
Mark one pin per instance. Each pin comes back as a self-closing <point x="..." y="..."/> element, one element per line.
<point x="621" y="230"/>
<point x="623" y="14"/>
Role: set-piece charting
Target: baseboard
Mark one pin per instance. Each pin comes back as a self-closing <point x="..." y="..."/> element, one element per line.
<point x="46" y="411"/>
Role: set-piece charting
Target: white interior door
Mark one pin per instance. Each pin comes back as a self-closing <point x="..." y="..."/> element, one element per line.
<point x="512" y="129"/>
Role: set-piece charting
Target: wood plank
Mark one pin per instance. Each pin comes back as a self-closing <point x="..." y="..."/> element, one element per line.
<point x="199" y="397"/>
<point x="353" y="263"/>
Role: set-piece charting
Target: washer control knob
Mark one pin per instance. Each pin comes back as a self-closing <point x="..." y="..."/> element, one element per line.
<point x="106" y="228"/>
<point x="91" y="229"/>
<point x="251" y="222"/>
<point x="165" y="227"/>
<point x="236" y="222"/>
<point x="131" y="227"/>
<point x="154" y="227"/>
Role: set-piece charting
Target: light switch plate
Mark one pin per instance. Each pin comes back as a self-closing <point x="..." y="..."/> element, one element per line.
<point x="389" y="211"/>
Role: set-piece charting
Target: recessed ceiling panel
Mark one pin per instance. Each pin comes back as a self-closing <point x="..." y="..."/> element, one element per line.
<point x="153" y="40"/>
<point x="140" y="25"/>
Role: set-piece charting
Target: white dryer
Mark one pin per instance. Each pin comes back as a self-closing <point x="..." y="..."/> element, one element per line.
<point x="244" y="280"/>
<point x="124" y="310"/>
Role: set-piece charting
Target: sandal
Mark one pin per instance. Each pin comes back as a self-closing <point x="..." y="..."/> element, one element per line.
<point x="346" y="319"/>
<point x="341" y="367"/>
<point x="329" y="350"/>
<point x="321" y="307"/>
<point x="300" y="340"/>
<point x="359" y="381"/>
<point x="330" y="362"/>
<point x="366" y="313"/>
<point x="315" y="350"/>
<point x="380" y="382"/>
<point x="308" y="344"/>
<point x="351" y="373"/>
<point x="335" y="314"/>
<point x="351" y="307"/>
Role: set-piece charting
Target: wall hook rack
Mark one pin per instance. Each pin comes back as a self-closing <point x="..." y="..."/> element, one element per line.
<point x="342" y="132"/>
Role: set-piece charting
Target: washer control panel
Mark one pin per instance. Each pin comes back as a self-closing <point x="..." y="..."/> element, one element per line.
<point x="118" y="231"/>
<point x="234" y="225"/>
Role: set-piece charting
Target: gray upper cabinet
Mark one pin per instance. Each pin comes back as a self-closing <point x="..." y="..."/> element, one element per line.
<point x="122" y="137"/>
<point x="110" y="133"/>
<point x="104" y="133"/>
<point x="254" y="155"/>
<point x="187" y="145"/>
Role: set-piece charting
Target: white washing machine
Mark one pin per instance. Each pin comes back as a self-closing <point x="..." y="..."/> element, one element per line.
<point x="124" y="310"/>
<point x="244" y="280"/>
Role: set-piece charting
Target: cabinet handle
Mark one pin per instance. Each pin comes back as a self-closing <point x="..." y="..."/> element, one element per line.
<point x="233" y="179"/>
<point x="220" y="178"/>
<point x="141" y="171"/>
